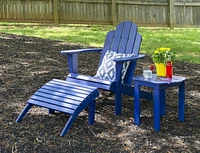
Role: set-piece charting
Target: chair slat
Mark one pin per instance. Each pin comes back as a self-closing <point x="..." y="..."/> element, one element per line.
<point x="94" y="84"/>
<point x="52" y="100"/>
<point x="50" y="106"/>
<point x="117" y="37"/>
<point x="132" y="39"/>
<point x="54" y="87"/>
<point x="89" y="88"/>
<point x="67" y="86"/>
<point x="107" y="44"/>
<point x="90" y="78"/>
<point x="124" y="37"/>
<point x="59" y="97"/>
<point x="63" y="93"/>
<point x="55" y="102"/>
<point x="138" y="41"/>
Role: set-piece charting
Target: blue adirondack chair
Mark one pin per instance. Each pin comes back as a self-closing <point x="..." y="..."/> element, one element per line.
<point x="124" y="40"/>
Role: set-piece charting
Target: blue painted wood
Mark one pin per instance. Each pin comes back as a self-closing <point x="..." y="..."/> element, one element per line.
<point x="48" y="95"/>
<point x="159" y="85"/>
<point x="74" y="85"/>
<point x="89" y="78"/>
<point x="118" y="95"/>
<point x="132" y="42"/>
<point x="82" y="79"/>
<point x="51" y="106"/>
<point x="73" y="63"/>
<point x="76" y="92"/>
<point x="137" y="43"/>
<point x="24" y="111"/>
<point x="71" y="94"/>
<point x="63" y="96"/>
<point x="136" y="104"/>
<point x="125" y="39"/>
<point x="91" y="113"/>
<point x="107" y="44"/>
<point x="51" y="111"/>
<point x="131" y="69"/>
<point x="161" y="80"/>
<point x="157" y="102"/>
<point x="117" y="37"/>
<point x="76" y="51"/>
<point x="181" y="107"/>
<point x="53" y="100"/>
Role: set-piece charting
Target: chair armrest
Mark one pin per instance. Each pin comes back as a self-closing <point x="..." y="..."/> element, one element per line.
<point x="124" y="59"/>
<point x="81" y="50"/>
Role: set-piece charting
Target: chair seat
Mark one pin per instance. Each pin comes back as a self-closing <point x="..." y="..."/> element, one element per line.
<point x="92" y="81"/>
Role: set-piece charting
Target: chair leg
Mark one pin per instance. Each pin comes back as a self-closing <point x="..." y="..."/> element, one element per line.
<point x="118" y="103"/>
<point x="136" y="109"/>
<point x="23" y="113"/>
<point x="91" y="113"/>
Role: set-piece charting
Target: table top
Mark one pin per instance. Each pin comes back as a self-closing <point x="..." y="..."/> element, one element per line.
<point x="160" y="80"/>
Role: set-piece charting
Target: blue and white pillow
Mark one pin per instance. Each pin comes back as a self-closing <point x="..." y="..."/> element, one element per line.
<point x="107" y="69"/>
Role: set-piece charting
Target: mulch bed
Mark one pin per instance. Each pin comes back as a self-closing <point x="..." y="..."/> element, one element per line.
<point x="26" y="63"/>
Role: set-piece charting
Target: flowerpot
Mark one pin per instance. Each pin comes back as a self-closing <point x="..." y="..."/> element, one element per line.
<point x="160" y="69"/>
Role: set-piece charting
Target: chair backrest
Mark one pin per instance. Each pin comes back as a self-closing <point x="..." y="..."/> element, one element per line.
<point x="125" y="39"/>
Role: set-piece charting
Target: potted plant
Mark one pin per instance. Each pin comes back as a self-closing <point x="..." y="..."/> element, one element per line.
<point x="160" y="57"/>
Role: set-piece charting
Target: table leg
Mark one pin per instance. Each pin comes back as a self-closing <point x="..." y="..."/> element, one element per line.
<point x="181" y="101"/>
<point x="136" y="103"/>
<point x="162" y="103"/>
<point x="157" y="108"/>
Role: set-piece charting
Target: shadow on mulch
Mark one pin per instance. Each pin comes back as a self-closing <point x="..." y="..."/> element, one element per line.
<point x="26" y="63"/>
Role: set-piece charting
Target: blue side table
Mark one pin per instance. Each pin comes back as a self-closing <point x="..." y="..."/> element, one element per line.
<point x="159" y="84"/>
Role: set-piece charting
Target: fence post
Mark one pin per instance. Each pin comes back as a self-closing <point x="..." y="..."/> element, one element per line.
<point x="171" y="14"/>
<point x="114" y="13"/>
<point x="55" y="12"/>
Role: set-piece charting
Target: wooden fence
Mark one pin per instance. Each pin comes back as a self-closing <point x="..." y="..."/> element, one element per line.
<point x="173" y="13"/>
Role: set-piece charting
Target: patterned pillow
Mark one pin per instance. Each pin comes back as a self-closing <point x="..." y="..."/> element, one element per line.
<point x="107" y="69"/>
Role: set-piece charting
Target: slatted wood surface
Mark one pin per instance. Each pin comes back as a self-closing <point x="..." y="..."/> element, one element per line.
<point x="62" y="96"/>
<point x="65" y="97"/>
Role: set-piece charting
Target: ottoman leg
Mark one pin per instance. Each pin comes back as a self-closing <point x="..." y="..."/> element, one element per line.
<point x="68" y="124"/>
<point x="51" y="111"/>
<point x="91" y="113"/>
<point x="23" y="113"/>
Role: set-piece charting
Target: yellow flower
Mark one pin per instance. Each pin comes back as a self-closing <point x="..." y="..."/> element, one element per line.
<point x="162" y="54"/>
<point x="162" y="49"/>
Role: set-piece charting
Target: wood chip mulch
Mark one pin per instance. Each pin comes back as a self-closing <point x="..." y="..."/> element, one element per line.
<point x="26" y="63"/>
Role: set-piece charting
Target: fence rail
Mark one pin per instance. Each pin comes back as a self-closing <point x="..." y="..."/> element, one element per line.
<point x="172" y="13"/>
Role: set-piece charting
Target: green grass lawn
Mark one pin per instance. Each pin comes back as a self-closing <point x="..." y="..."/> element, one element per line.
<point x="185" y="42"/>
